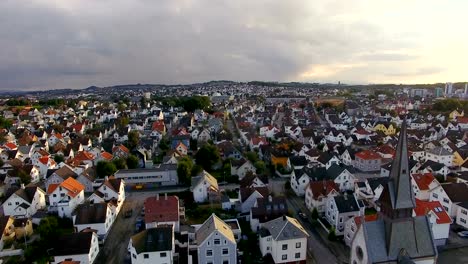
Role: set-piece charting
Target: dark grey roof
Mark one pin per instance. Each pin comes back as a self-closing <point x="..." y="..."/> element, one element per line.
<point x="73" y="244"/>
<point x="346" y="203"/>
<point x="412" y="234"/>
<point x="284" y="228"/>
<point x="153" y="239"/>
<point x="335" y="170"/>
<point x="91" y="214"/>
<point x="457" y="192"/>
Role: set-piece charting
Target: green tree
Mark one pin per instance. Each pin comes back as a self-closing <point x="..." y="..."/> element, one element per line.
<point x="48" y="228"/>
<point x="196" y="169"/>
<point x="260" y="166"/>
<point x="164" y="144"/>
<point x="59" y="158"/>
<point x="332" y="234"/>
<point x="184" y="170"/>
<point x="120" y="163"/>
<point x="132" y="162"/>
<point x="315" y="214"/>
<point x="133" y="139"/>
<point x="207" y="156"/>
<point x="105" y="168"/>
<point x="252" y="156"/>
<point x="24" y="177"/>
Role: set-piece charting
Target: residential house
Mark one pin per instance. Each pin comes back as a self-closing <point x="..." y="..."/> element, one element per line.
<point x="153" y="245"/>
<point x="317" y="194"/>
<point x="353" y="224"/>
<point x="462" y="215"/>
<point x="162" y="211"/>
<point x="65" y="197"/>
<point x="285" y="239"/>
<point x="94" y="216"/>
<point x="450" y="195"/>
<point x="438" y="218"/>
<point x="367" y="160"/>
<point x="248" y="197"/>
<point x="110" y="190"/>
<point x="340" y="208"/>
<point x="57" y="176"/>
<point x="24" y="202"/>
<point x="81" y="247"/>
<point x="241" y="167"/>
<point x="440" y="155"/>
<point x="266" y="209"/>
<point x="423" y="185"/>
<point x="8" y="230"/>
<point x="204" y="187"/>
<point x="216" y="242"/>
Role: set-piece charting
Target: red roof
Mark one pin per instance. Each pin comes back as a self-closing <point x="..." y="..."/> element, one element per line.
<point x="259" y="140"/>
<point x="367" y="218"/>
<point x="106" y="155"/>
<point x="159" y="126"/>
<point x="323" y="188"/>
<point x="368" y="155"/>
<point x="462" y="119"/>
<point x="162" y="209"/>
<point x="386" y="149"/>
<point x="11" y="146"/>
<point x="423" y="208"/>
<point x="362" y="131"/>
<point x="44" y="160"/>
<point x="77" y="127"/>
<point x="423" y="180"/>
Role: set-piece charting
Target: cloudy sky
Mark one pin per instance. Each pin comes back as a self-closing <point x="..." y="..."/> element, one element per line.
<point x="77" y="43"/>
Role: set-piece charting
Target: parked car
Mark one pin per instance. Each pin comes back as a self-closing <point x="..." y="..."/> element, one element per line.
<point x="128" y="213"/>
<point x="303" y="215"/>
<point x="463" y="234"/>
<point x="142" y="211"/>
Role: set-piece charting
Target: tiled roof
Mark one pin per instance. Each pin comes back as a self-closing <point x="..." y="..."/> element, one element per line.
<point x="368" y="155"/>
<point x="423" y="208"/>
<point x="214" y="223"/>
<point x="162" y="209"/>
<point x="423" y="180"/>
<point x="319" y="188"/>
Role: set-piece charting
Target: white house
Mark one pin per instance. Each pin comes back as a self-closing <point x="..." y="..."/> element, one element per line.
<point x="317" y="194"/>
<point x="24" y="202"/>
<point x="81" y="247"/>
<point x="341" y="208"/>
<point x="353" y="224"/>
<point x="440" y="155"/>
<point x="94" y="216"/>
<point x="450" y="195"/>
<point x="241" y="167"/>
<point x="438" y="218"/>
<point x="284" y="239"/>
<point x="204" y="187"/>
<point x="65" y="197"/>
<point x="462" y="215"/>
<point x="110" y="190"/>
<point x="216" y="242"/>
<point x="153" y="245"/>
<point x="423" y="185"/>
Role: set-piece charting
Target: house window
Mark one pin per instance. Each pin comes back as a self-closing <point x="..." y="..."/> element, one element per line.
<point x="464" y="212"/>
<point x="463" y="220"/>
<point x="297" y="255"/>
<point x="209" y="253"/>
<point x="298" y="244"/>
<point x="225" y="251"/>
<point x="435" y="195"/>
<point x="225" y="261"/>
<point x="145" y="256"/>
<point x="284" y="257"/>
<point x="217" y="241"/>
<point x="134" y="256"/>
<point x="163" y="254"/>
<point x="446" y="200"/>
<point x="285" y="247"/>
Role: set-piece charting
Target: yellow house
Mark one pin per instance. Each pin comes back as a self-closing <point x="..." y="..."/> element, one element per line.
<point x="459" y="158"/>
<point x="8" y="230"/>
<point x="386" y="129"/>
<point x="454" y="114"/>
<point x="283" y="161"/>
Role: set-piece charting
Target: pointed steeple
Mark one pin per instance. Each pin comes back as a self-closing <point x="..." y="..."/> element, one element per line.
<point x="402" y="196"/>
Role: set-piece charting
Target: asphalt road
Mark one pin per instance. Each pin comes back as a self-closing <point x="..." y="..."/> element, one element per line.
<point x="115" y="247"/>
<point x="316" y="246"/>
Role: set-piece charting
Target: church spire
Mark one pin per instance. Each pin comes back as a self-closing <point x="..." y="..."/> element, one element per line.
<point x="402" y="196"/>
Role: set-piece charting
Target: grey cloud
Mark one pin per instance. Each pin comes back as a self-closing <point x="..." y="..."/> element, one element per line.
<point x="114" y="42"/>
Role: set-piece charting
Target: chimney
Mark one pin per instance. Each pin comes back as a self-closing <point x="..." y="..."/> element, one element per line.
<point x="22" y="186"/>
<point x="284" y="217"/>
<point x="165" y="196"/>
<point x="157" y="196"/>
<point x="270" y="198"/>
<point x="106" y="178"/>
